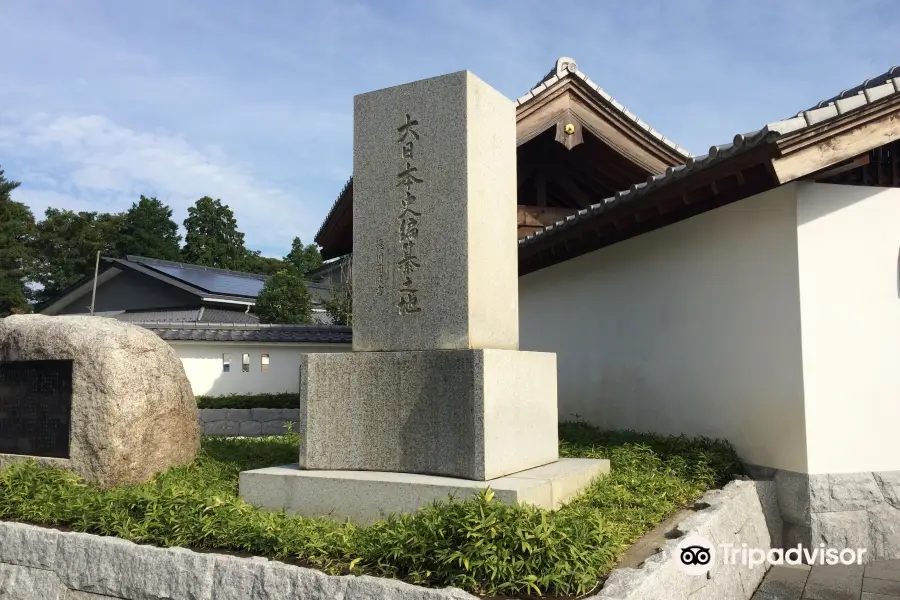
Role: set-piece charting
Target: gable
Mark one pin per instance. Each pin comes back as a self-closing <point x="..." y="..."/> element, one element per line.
<point x="125" y="290"/>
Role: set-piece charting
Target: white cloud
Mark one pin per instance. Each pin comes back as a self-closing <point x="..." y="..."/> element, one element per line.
<point x="79" y="162"/>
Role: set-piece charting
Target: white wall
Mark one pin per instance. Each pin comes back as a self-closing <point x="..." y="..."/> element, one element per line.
<point x="849" y="238"/>
<point x="203" y="364"/>
<point x="693" y="328"/>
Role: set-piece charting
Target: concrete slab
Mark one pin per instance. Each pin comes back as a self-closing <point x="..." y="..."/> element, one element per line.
<point x="368" y="496"/>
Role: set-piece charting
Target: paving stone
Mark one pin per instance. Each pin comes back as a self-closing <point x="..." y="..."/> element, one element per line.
<point x="785" y="582"/>
<point x="837" y="582"/>
<point x="871" y="596"/>
<point x="818" y="592"/>
<point x="881" y="586"/>
<point x="884" y="569"/>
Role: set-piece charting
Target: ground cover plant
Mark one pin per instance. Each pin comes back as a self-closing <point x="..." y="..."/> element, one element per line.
<point x="284" y="400"/>
<point x="479" y="545"/>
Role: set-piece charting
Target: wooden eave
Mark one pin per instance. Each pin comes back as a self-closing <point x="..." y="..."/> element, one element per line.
<point x="843" y="138"/>
<point x="573" y="99"/>
<point x="335" y="237"/>
<point x="814" y="152"/>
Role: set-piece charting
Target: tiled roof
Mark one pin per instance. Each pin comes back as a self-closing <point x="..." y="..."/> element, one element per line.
<point x="566" y="66"/>
<point x="189" y="315"/>
<point x="892" y="73"/>
<point x="882" y="86"/>
<point x="238" y="332"/>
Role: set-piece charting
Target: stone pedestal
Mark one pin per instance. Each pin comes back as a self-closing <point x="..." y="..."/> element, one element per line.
<point x="475" y="414"/>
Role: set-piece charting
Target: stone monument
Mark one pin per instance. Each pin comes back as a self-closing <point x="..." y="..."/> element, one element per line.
<point x="436" y="397"/>
<point x="106" y="399"/>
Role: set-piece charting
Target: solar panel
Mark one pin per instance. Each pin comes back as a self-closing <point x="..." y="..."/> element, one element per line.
<point x="213" y="282"/>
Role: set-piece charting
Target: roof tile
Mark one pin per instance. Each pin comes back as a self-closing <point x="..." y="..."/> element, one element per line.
<point x="879" y="91"/>
<point x="221" y="332"/>
<point x="817" y="115"/>
<point x="847" y="104"/>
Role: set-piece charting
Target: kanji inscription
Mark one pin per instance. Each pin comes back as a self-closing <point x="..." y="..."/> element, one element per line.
<point x="35" y="407"/>
<point x="408" y="219"/>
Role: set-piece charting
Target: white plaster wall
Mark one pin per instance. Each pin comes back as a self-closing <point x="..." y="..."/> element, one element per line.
<point x="203" y="364"/>
<point x="849" y="238"/>
<point x="693" y="328"/>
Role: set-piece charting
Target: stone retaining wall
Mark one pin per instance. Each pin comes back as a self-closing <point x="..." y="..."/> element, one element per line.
<point x="841" y="510"/>
<point x="46" y="564"/>
<point x="247" y="422"/>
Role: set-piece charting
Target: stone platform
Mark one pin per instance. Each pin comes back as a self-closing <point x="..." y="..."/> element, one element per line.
<point x="367" y="496"/>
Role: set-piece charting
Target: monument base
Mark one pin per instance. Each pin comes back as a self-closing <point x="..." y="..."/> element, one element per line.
<point x="368" y="496"/>
<point x="473" y="414"/>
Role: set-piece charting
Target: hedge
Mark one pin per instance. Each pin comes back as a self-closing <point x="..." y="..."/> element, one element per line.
<point x="285" y="400"/>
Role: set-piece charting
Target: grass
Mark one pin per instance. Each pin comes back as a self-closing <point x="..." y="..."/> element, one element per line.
<point x="285" y="400"/>
<point x="479" y="545"/>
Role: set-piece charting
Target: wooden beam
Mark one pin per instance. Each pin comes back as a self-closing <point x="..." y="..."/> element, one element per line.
<point x="847" y="165"/>
<point x="536" y="216"/>
<point x="838" y="141"/>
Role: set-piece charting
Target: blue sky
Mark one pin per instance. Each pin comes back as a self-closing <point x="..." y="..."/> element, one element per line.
<point x="251" y="102"/>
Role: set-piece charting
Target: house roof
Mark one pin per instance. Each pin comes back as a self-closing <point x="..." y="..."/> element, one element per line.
<point x="211" y="285"/>
<point x="221" y="282"/>
<point x="205" y="314"/>
<point x="245" y="332"/>
<point x="849" y="101"/>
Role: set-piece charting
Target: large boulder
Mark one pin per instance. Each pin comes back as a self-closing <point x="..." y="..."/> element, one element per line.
<point x="133" y="413"/>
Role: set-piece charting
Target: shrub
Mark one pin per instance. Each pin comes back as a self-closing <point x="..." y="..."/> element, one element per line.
<point x="284" y="400"/>
<point x="479" y="545"/>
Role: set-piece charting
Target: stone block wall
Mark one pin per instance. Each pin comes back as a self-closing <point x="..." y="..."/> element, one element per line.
<point x="247" y="422"/>
<point x="46" y="564"/>
<point x="845" y="510"/>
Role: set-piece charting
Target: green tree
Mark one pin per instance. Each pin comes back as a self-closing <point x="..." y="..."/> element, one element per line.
<point x="284" y="299"/>
<point x="147" y="229"/>
<point x="66" y="245"/>
<point x="257" y="263"/>
<point x="303" y="258"/>
<point x="339" y="304"/>
<point x="212" y="237"/>
<point x="16" y="233"/>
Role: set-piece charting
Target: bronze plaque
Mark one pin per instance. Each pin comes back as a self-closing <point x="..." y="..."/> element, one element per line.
<point x="35" y="407"/>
